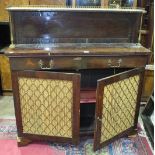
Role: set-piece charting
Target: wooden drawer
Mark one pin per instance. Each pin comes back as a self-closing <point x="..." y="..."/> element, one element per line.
<point x="47" y="63"/>
<point x="117" y="62"/>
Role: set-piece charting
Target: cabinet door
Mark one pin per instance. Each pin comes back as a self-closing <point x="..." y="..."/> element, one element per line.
<point x="47" y="105"/>
<point x="118" y="102"/>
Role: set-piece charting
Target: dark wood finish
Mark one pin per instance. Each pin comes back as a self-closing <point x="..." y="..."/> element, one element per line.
<point x="75" y="40"/>
<point x="88" y="96"/>
<point x="99" y="106"/>
<point x="148" y="41"/>
<point x="84" y="62"/>
<point x="150" y="36"/>
<point x="77" y="49"/>
<point x="109" y="80"/>
<point x="140" y="88"/>
<point x="76" y="102"/>
<point x="23" y="141"/>
<point x="122" y="27"/>
<point x="76" y="57"/>
<point x="147" y="38"/>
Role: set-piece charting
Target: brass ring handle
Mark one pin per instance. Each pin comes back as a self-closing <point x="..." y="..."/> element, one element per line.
<point x="115" y="66"/>
<point x="41" y="65"/>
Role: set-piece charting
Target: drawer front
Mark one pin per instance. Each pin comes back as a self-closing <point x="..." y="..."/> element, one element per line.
<point x="48" y="63"/>
<point x="117" y="62"/>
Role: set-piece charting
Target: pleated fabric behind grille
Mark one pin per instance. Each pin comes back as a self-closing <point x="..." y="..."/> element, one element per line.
<point x="119" y="104"/>
<point x="46" y="106"/>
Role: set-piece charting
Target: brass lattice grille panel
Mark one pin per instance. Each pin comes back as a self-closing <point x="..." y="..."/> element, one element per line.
<point x="119" y="104"/>
<point x="46" y="106"/>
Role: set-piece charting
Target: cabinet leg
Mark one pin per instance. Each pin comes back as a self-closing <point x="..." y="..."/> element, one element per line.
<point x="21" y="141"/>
<point x="133" y="134"/>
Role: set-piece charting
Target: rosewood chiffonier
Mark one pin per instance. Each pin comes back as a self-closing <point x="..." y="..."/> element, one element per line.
<point x="76" y="71"/>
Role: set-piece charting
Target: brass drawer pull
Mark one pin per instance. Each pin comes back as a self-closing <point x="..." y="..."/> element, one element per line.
<point x="77" y="62"/>
<point x="77" y="59"/>
<point x="41" y="65"/>
<point x="115" y="66"/>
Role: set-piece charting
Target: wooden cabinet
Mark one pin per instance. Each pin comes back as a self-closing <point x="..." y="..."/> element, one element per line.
<point x="75" y="76"/>
<point x="49" y="104"/>
<point x="99" y="95"/>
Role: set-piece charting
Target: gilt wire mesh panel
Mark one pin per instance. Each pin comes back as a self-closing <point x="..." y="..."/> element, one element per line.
<point x="46" y="106"/>
<point x="119" y="105"/>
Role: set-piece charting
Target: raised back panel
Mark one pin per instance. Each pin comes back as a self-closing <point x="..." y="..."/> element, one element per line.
<point x="34" y="27"/>
<point x="119" y="101"/>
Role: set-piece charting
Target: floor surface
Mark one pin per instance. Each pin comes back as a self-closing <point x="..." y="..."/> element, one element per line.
<point x="7" y="108"/>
